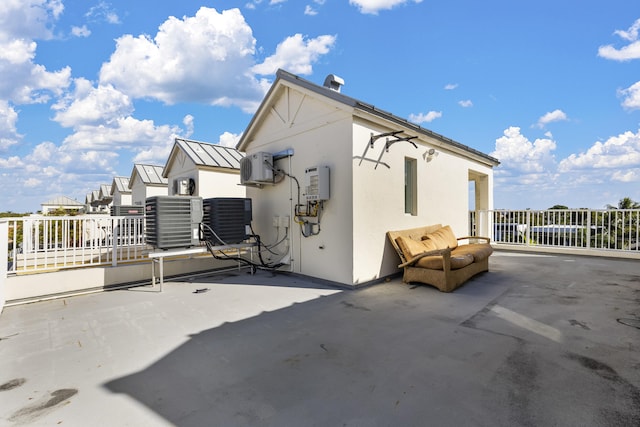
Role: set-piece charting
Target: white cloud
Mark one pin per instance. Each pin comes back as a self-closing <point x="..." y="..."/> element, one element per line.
<point x="296" y="54"/>
<point x="28" y="19"/>
<point x="309" y="10"/>
<point x="466" y="103"/>
<point x="13" y="162"/>
<point x="80" y="31"/>
<point x="425" y="118"/>
<point x="552" y="116"/>
<point x="32" y="182"/>
<point x="621" y="151"/>
<point x="625" y="53"/>
<point x="451" y="86"/>
<point x="89" y="105"/>
<point x="23" y="81"/>
<point x="188" y="121"/>
<point x="631" y="96"/>
<point x="517" y="153"/>
<point x="124" y="133"/>
<point x="8" y="133"/>
<point x="103" y="12"/>
<point x="632" y="33"/>
<point x="229" y="139"/>
<point x="374" y="6"/>
<point x="631" y="175"/>
<point x="204" y="58"/>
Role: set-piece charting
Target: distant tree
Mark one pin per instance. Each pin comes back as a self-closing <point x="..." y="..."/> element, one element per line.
<point x="558" y="207"/>
<point x="10" y="214"/>
<point x="625" y="203"/>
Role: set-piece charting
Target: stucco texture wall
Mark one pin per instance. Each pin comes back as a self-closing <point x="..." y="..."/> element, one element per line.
<point x="379" y="199"/>
<point x="319" y="136"/>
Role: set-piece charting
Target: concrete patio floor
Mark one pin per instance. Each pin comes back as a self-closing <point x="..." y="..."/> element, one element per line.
<point x="540" y="340"/>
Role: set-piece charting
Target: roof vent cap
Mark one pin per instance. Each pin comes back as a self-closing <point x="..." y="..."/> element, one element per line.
<point x="333" y="82"/>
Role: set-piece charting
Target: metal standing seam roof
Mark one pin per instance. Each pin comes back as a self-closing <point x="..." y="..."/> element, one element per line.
<point x="121" y="184"/>
<point x="105" y="191"/>
<point x="207" y="154"/>
<point x="363" y="106"/>
<point x="62" y="201"/>
<point x="95" y="195"/>
<point x="149" y="175"/>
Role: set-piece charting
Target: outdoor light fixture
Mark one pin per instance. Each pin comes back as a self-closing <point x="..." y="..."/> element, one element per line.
<point x="429" y="154"/>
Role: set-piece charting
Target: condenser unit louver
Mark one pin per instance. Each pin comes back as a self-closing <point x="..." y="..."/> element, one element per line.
<point x="127" y="211"/>
<point x="173" y="221"/>
<point x="256" y="168"/>
<point x="226" y="220"/>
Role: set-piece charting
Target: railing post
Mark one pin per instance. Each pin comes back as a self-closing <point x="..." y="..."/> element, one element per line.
<point x="116" y="233"/>
<point x="4" y="261"/>
<point x="528" y="230"/>
<point x="588" y="245"/>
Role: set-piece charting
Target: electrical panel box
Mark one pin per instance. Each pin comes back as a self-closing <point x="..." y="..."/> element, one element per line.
<point x="317" y="183"/>
<point x="227" y="220"/>
<point x="173" y="221"/>
<point x="256" y="168"/>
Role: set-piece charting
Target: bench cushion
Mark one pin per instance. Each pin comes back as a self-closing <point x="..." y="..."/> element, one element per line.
<point x="479" y="251"/>
<point x="409" y="247"/>
<point x="440" y="239"/>
<point x="435" y="262"/>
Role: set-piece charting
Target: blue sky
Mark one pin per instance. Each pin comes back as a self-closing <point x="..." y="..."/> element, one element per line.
<point x="552" y="89"/>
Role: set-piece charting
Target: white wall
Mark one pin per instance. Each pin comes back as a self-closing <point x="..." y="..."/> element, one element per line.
<point x="219" y="184"/>
<point x="140" y="192"/>
<point x="378" y="201"/>
<point x="121" y="199"/>
<point x="366" y="201"/>
<point x="320" y="136"/>
<point x="209" y="183"/>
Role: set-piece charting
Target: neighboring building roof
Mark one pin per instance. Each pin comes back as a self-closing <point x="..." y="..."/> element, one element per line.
<point x="95" y="198"/>
<point x="63" y="201"/>
<point x="105" y="193"/>
<point x="285" y="76"/>
<point x="205" y="154"/>
<point x="149" y="175"/>
<point x="121" y="184"/>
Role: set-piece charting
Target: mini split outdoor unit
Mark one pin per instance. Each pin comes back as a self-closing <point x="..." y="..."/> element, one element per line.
<point x="227" y="220"/>
<point x="256" y="168"/>
<point x="184" y="186"/>
<point x="173" y="221"/>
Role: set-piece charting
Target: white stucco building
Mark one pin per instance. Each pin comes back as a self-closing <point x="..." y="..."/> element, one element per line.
<point x="62" y="202"/>
<point x="384" y="173"/>
<point x="120" y="191"/>
<point x="202" y="169"/>
<point x="146" y="181"/>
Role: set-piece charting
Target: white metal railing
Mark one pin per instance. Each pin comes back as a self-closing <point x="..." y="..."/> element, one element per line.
<point x="609" y="230"/>
<point x="44" y="243"/>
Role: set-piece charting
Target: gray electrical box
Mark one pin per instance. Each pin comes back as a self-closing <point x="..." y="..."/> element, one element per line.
<point x="317" y="183"/>
<point x="173" y="221"/>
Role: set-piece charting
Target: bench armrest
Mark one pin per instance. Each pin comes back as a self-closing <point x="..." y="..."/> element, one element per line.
<point x="486" y="239"/>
